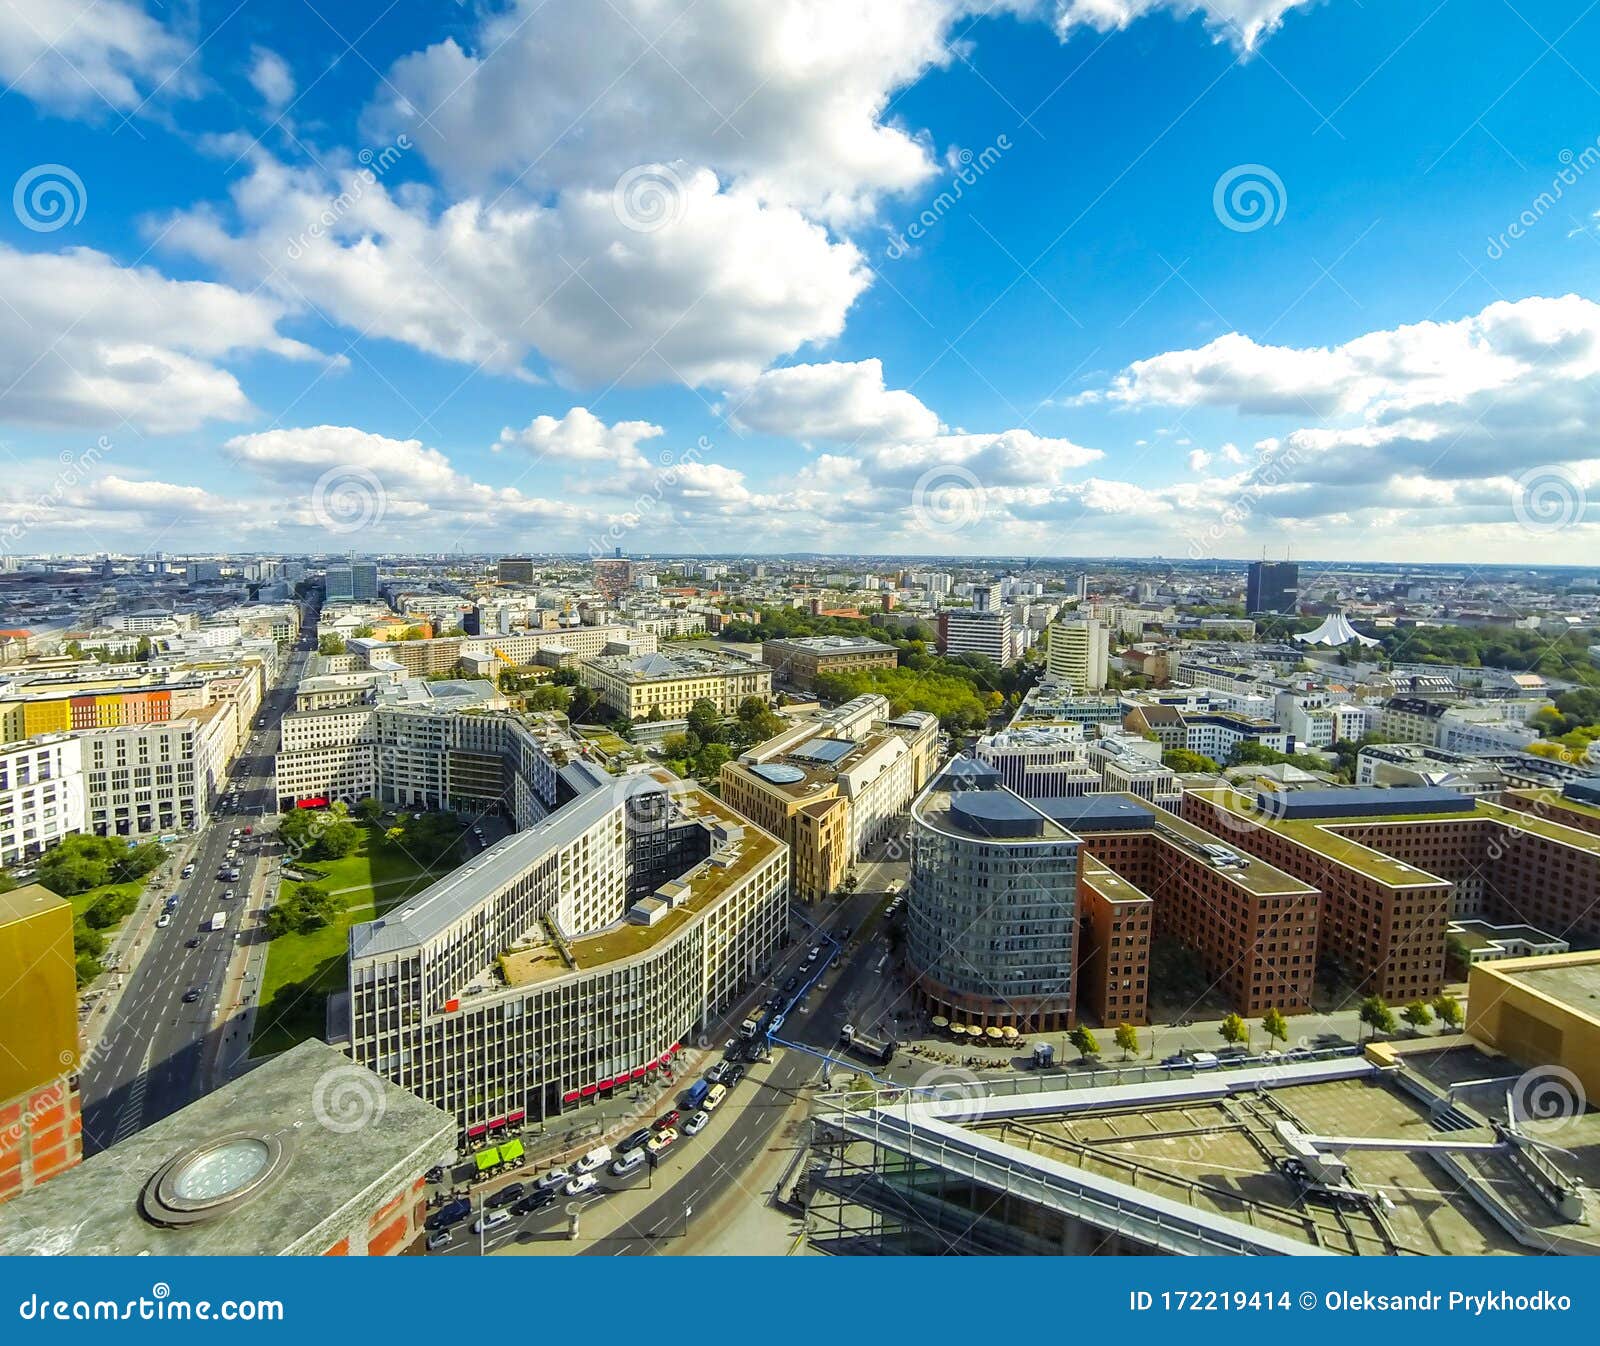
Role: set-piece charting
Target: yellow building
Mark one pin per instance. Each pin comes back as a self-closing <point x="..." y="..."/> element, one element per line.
<point x="40" y="1126"/>
<point x="670" y="684"/>
<point x="1541" y="1012"/>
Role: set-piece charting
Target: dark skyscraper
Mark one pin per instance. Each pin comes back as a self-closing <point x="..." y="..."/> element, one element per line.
<point x="1273" y="586"/>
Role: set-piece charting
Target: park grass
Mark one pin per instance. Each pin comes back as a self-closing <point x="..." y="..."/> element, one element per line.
<point x="302" y="970"/>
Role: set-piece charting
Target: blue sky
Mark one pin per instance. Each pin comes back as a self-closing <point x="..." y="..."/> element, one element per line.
<point x="1180" y="277"/>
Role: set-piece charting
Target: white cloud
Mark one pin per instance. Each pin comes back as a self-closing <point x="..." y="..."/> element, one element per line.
<point x="1199" y="460"/>
<point x="581" y="436"/>
<point x="271" y="77"/>
<point x="1243" y="23"/>
<point x="699" y="300"/>
<point x="790" y="97"/>
<point x="89" y="56"/>
<point x="84" y="341"/>
<point x="838" y="401"/>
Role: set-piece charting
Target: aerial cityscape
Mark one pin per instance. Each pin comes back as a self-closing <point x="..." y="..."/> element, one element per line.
<point x="672" y="628"/>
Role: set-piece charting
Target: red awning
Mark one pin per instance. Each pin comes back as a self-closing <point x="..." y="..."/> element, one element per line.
<point x="476" y="1130"/>
<point x="517" y="1116"/>
<point x="589" y="1089"/>
<point x="451" y="1006"/>
<point x="498" y="1121"/>
<point x="640" y="1072"/>
<point x="570" y="1098"/>
<point x="316" y="802"/>
<point x="605" y="1084"/>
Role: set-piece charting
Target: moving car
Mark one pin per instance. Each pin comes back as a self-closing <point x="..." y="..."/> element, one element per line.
<point x="698" y="1123"/>
<point x="636" y="1140"/>
<point x="190" y="996"/>
<point x="597" y="1158"/>
<point x="534" y="1201"/>
<point x="665" y="1122"/>
<point x="629" y="1163"/>
<point x="555" y="1178"/>
<point x="163" y="920"/>
<point x="440" y="1238"/>
<point x="452" y="1212"/>
<point x="493" y="1220"/>
<point x="584" y="1182"/>
<point x="662" y="1141"/>
<point x="506" y="1195"/>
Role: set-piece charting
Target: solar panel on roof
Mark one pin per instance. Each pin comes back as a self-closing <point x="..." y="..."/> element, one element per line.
<point x="823" y="749"/>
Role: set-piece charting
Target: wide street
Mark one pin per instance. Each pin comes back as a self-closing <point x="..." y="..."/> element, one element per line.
<point x="151" y="1053"/>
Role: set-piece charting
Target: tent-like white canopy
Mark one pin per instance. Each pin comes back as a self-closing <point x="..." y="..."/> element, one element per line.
<point x="1335" y="630"/>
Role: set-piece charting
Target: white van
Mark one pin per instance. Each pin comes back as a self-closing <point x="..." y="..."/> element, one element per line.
<point x="634" y="1159"/>
<point x="595" y="1159"/>
<point x="492" y="1221"/>
<point x="1204" y="1060"/>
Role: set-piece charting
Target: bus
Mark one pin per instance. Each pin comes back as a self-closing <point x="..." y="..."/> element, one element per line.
<point x="714" y="1097"/>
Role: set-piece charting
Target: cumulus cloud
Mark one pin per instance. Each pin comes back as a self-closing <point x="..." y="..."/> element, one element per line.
<point x="789" y="97"/>
<point x="841" y="402"/>
<point x="87" y="342"/>
<point x="1243" y="23"/>
<point x="271" y="77"/>
<point x="89" y="56"/>
<point x="696" y="300"/>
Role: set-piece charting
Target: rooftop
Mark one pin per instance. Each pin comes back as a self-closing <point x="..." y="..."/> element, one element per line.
<point x="332" y="1178"/>
<point x="833" y="645"/>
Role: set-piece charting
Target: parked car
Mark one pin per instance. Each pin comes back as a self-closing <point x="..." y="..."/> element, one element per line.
<point x="163" y="921"/>
<point x="662" y="1141"/>
<point x="584" y="1182"/>
<point x="732" y="1075"/>
<point x="506" y="1195"/>
<point x="791" y="983"/>
<point x="440" y="1238"/>
<point x="714" y="1075"/>
<point x="452" y="1212"/>
<point x="635" y="1140"/>
<point x="665" y="1121"/>
<point x="631" y="1162"/>
<point x="188" y="870"/>
<point x="435" y="1174"/>
<point x="696" y="1124"/>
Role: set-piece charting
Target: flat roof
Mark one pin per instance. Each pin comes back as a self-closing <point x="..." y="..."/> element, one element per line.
<point x="1372" y="801"/>
<point x="1572" y="979"/>
<point x="332" y="1180"/>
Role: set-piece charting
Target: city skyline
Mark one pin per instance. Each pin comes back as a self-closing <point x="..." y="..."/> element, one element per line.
<point x="816" y="279"/>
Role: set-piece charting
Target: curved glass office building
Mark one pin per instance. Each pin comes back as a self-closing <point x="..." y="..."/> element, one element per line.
<point x="991" y="911"/>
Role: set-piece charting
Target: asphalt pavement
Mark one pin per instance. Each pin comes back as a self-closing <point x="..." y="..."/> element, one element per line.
<point x="151" y="1058"/>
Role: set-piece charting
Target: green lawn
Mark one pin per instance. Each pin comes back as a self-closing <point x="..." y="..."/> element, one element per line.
<point x="303" y="969"/>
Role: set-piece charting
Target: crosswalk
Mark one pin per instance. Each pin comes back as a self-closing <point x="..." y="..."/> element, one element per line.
<point x="132" y="1113"/>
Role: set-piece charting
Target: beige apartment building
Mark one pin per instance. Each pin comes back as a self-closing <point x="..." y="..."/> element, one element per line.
<point x="670" y="684"/>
